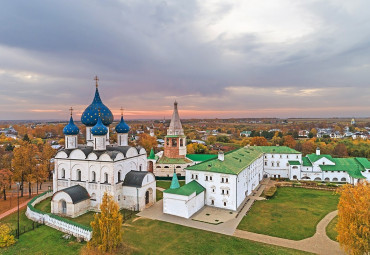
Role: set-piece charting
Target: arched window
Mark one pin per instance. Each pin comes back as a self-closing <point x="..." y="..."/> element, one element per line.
<point x="93" y="176"/>
<point x="327" y="179"/>
<point x="140" y="167"/>
<point x="181" y="142"/>
<point x="335" y="179"/>
<point x="174" y="142"/>
<point x="343" y="179"/>
<point x="295" y="177"/>
<point x="78" y="175"/>
<point x="105" y="178"/>
<point x="317" y="179"/>
<point x="63" y="173"/>
<point x="119" y="176"/>
<point x="178" y="167"/>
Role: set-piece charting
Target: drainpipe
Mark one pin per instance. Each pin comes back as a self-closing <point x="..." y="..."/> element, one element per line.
<point x="137" y="197"/>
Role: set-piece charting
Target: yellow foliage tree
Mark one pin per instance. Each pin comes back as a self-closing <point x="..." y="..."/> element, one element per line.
<point x="6" y="239"/>
<point x="354" y="218"/>
<point x="106" y="226"/>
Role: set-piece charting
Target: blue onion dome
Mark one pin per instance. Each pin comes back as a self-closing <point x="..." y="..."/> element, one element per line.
<point x="90" y="115"/>
<point x="99" y="128"/>
<point x="122" y="127"/>
<point x="71" y="128"/>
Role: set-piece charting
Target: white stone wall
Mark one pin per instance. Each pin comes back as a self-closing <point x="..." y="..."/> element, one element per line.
<point x="277" y="164"/>
<point x="101" y="166"/>
<point x="166" y="170"/>
<point x="182" y="206"/>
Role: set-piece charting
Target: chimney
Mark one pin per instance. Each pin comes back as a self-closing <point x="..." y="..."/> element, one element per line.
<point x="317" y="151"/>
<point x="221" y="156"/>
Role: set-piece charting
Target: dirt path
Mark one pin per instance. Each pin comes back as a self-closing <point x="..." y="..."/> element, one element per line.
<point x="14" y="209"/>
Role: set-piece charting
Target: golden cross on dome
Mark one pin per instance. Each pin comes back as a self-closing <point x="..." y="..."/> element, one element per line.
<point x="96" y="81"/>
<point x="122" y="111"/>
<point x="71" y="110"/>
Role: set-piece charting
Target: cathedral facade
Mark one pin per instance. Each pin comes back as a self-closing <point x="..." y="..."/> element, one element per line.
<point x="83" y="173"/>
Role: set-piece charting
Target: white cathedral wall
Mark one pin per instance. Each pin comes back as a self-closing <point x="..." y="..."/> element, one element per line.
<point x="183" y="206"/>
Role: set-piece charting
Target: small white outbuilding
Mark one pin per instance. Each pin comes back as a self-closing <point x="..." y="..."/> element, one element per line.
<point x="183" y="201"/>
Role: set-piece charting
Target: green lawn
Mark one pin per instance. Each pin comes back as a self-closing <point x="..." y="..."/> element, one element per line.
<point x="44" y="205"/>
<point x="13" y="219"/>
<point x="292" y="213"/>
<point x="167" y="184"/>
<point x="157" y="237"/>
<point x="43" y="240"/>
<point x="331" y="229"/>
<point x="144" y="236"/>
<point x="159" y="194"/>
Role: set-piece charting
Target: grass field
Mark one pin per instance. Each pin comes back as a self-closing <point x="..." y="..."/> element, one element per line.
<point x="292" y="213"/>
<point x="13" y="219"/>
<point x="330" y="229"/>
<point x="157" y="237"/>
<point x="44" y="205"/>
<point x="167" y="184"/>
<point x="43" y="240"/>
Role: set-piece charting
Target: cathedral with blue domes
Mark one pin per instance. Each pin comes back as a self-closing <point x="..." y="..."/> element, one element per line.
<point x="83" y="173"/>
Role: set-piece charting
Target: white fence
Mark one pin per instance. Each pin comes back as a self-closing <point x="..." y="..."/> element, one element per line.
<point x="55" y="221"/>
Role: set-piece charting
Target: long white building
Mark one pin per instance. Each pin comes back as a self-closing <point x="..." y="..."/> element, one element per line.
<point x="227" y="180"/>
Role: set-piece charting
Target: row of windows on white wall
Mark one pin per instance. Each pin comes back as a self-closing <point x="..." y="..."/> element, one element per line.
<point x="209" y="178"/>
<point x="327" y="179"/>
<point x="281" y="156"/>
<point x="93" y="176"/>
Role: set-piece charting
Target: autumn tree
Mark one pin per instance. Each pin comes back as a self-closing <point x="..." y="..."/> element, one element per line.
<point x="5" y="180"/>
<point x="308" y="147"/>
<point x="289" y="141"/>
<point x="259" y="141"/>
<point x="24" y="164"/>
<point x="44" y="166"/>
<point x="211" y="139"/>
<point x="354" y="218"/>
<point x="6" y="239"/>
<point x="340" y="150"/>
<point x="195" y="148"/>
<point x="106" y="226"/>
<point x="147" y="142"/>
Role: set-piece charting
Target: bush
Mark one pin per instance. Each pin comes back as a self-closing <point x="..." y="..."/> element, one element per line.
<point x="270" y="192"/>
<point x="6" y="239"/>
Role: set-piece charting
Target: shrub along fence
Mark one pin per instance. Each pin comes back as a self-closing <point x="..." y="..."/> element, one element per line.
<point x="54" y="221"/>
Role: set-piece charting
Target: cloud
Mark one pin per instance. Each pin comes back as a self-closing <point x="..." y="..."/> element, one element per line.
<point x="272" y="57"/>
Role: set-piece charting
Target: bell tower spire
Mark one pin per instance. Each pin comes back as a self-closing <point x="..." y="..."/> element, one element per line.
<point x="175" y="141"/>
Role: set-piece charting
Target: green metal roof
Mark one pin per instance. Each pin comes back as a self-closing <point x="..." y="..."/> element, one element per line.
<point x="306" y="161"/>
<point x="187" y="189"/>
<point x="165" y="160"/>
<point x="313" y="157"/>
<point x="152" y="155"/>
<point x="174" y="136"/>
<point x="234" y="161"/>
<point x="175" y="182"/>
<point x="200" y="157"/>
<point x="364" y="162"/>
<point x="294" y="163"/>
<point x="278" y="150"/>
<point x="350" y="165"/>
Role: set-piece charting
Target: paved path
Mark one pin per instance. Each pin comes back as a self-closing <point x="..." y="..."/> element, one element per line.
<point x="155" y="212"/>
<point x="320" y="243"/>
<point x="14" y="209"/>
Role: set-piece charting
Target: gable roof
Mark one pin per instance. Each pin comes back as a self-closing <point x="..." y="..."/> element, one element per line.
<point x="234" y="161"/>
<point x="77" y="193"/>
<point x="313" y="157"/>
<point x="364" y="162"/>
<point x="350" y="165"/>
<point x="134" y="178"/>
<point x="306" y="162"/>
<point x="187" y="189"/>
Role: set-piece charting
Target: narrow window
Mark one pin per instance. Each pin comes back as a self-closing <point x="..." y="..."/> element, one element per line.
<point x="93" y="176"/>
<point x="105" y="178"/>
<point x="265" y="163"/>
<point x="63" y="173"/>
<point x="206" y="178"/>
<point x="212" y="202"/>
<point x="224" y="203"/>
<point x="79" y="175"/>
<point x="210" y="178"/>
<point x="222" y="180"/>
<point x="119" y="176"/>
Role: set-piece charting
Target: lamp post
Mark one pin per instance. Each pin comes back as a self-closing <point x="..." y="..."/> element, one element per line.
<point x="18" y="186"/>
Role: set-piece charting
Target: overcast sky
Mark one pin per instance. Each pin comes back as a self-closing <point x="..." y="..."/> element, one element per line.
<point x="251" y="58"/>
